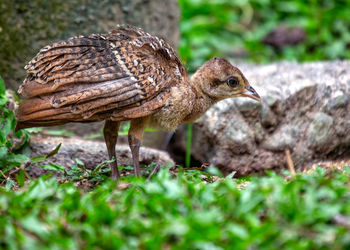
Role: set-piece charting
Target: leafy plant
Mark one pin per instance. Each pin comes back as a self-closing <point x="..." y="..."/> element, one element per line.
<point x="13" y="163"/>
<point x="236" y="29"/>
<point x="78" y="171"/>
<point x="306" y="212"/>
<point x="10" y="142"/>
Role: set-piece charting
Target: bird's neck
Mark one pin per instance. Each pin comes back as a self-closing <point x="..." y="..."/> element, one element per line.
<point x="201" y="102"/>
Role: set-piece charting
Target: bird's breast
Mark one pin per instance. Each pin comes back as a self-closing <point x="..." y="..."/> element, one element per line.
<point x="178" y="106"/>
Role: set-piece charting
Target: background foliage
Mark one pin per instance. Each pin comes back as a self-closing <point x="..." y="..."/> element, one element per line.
<point x="236" y="28"/>
<point x="10" y="142"/>
<point x="180" y="213"/>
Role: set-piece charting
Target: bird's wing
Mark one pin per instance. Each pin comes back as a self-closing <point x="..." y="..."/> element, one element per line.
<point x="99" y="76"/>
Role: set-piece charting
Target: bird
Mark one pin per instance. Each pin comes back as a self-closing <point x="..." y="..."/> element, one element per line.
<point x="126" y="74"/>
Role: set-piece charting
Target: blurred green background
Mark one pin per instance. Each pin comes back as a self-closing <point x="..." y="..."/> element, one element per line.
<point x="237" y="29"/>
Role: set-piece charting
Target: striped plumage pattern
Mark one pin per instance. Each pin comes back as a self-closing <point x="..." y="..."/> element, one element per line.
<point x="117" y="76"/>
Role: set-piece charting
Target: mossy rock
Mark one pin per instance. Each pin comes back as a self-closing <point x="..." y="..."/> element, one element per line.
<point x="27" y="26"/>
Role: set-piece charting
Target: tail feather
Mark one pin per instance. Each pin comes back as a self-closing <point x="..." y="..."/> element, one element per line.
<point x="31" y="124"/>
<point x="31" y="88"/>
<point x="32" y="105"/>
<point x="37" y="112"/>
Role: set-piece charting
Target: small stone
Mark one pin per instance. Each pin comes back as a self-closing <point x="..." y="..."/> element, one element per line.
<point x="338" y="100"/>
<point x="238" y="134"/>
<point x="284" y="138"/>
<point x="300" y="85"/>
<point x="248" y="107"/>
<point x="268" y="118"/>
<point x="258" y="132"/>
<point x="270" y="100"/>
<point x="343" y="128"/>
<point x="274" y="102"/>
<point x="319" y="131"/>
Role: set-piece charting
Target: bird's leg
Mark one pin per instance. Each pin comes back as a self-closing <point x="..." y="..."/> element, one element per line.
<point x="137" y="127"/>
<point x="134" y="144"/>
<point x="110" y="133"/>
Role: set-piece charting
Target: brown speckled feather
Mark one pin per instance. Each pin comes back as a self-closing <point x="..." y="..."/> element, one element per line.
<point x="120" y="75"/>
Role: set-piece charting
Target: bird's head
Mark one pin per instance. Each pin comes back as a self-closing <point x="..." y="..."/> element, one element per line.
<point x="219" y="79"/>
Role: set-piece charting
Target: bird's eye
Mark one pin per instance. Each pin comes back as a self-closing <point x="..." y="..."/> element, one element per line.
<point x="233" y="82"/>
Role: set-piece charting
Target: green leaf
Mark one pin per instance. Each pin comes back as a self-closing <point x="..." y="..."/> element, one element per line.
<point x="238" y="230"/>
<point x="34" y="129"/>
<point x="38" y="158"/>
<point x="2" y="87"/>
<point x="54" y="151"/>
<point x="17" y="159"/>
<point x="32" y="224"/>
<point x="58" y="132"/>
<point x="9" y="184"/>
<point x="214" y="171"/>
<point x="3" y="100"/>
<point x="101" y="165"/>
<point x="20" y="178"/>
<point x="150" y="130"/>
<point x="188" y="145"/>
<point x="3" y="152"/>
<point x="53" y="167"/>
<point x="94" y="136"/>
<point x="79" y="162"/>
<point x="5" y="130"/>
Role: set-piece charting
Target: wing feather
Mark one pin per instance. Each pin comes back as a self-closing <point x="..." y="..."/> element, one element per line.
<point x="87" y="93"/>
<point x="121" y="75"/>
<point x="128" y="99"/>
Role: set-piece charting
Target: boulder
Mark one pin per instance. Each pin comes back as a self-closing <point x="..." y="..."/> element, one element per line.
<point x="91" y="153"/>
<point x="305" y="108"/>
<point x="27" y="26"/>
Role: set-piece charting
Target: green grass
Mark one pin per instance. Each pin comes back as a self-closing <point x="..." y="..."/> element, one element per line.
<point x="228" y="28"/>
<point x="181" y="213"/>
<point x="188" y="145"/>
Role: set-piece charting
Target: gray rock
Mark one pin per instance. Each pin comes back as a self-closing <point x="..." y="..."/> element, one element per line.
<point x="338" y="100"/>
<point x="284" y="138"/>
<point x="268" y="118"/>
<point x="43" y="22"/>
<point x="305" y="109"/>
<point x="91" y="153"/>
<point x="238" y="135"/>
<point x="319" y="133"/>
<point x="247" y="107"/>
<point x="271" y="100"/>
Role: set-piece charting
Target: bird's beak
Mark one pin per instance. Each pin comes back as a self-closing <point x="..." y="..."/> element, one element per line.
<point x="250" y="92"/>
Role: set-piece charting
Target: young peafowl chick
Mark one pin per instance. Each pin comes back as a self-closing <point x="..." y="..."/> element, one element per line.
<point x="126" y="74"/>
